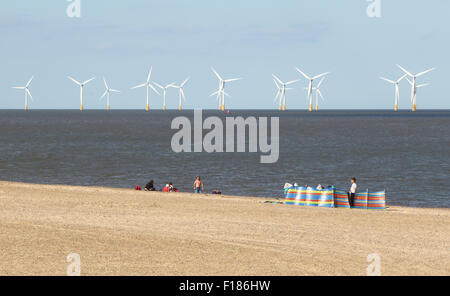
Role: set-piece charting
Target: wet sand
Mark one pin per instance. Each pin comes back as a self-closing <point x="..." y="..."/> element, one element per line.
<point x="127" y="232"/>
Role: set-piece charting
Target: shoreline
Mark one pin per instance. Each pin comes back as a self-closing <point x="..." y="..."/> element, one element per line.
<point x="128" y="232"/>
<point x="388" y="205"/>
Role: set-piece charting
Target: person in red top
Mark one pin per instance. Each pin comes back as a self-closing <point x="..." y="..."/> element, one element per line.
<point x="166" y="188"/>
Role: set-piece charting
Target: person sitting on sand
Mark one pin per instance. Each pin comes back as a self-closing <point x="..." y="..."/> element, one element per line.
<point x="166" y="188"/>
<point x="150" y="186"/>
<point x="319" y="187"/>
<point x="352" y="192"/>
<point x="198" y="185"/>
<point x="171" y="188"/>
<point x="216" y="191"/>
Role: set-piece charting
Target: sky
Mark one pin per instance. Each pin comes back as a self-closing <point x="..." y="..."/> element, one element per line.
<point x="121" y="40"/>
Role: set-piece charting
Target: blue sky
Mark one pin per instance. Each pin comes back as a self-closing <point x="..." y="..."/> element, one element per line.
<point x="251" y="39"/>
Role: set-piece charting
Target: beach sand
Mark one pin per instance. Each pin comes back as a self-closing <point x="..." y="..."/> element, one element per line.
<point x="128" y="232"/>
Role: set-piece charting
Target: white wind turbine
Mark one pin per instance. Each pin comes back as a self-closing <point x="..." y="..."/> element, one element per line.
<point x="81" y="84"/>
<point x="310" y="87"/>
<point x="282" y="88"/>
<point x="318" y="92"/>
<point x="414" y="86"/>
<point x="221" y="92"/>
<point x="107" y="92"/>
<point x="147" y="85"/>
<point x="397" y="90"/>
<point x="181" y="92"/>
<point x="164" y="88"/>
<point x="27" y="92"/>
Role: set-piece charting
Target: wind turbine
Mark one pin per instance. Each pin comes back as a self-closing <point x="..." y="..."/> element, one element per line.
<point x="81" y="84"/>
<point x="221" y="92"/>
<point x="397" y="90"/>
<point x="413" y="82"/>
<point x="418" y="86"/>
<point x="282" y="88"/>
<point x="318" y="92"/>
<point x="107" y="92"/>
<point x="181" y="94"/>
<point x="148" y="85"/>
<point x="310" y="87"/>
<point x="164" y="88"/>
<point x="27" y="92"/>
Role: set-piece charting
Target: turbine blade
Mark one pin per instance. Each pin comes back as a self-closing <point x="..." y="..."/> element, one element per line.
<point x="401" y="78"/>
<point x="138" y="86"/>
<point x="320" y="82"/>
<point x="182" y="94"/>
<point x="320" y="75"/>
<point x="19" y="87"/>
<point x="104" y="94"/>
<point x="74" y="80"/>
<point x="292" y="81"/>
<point x="29" y="81"/>
<point x="28" y="92"/>
<point x="185" y="81"/>
<point x="404" y="70"/>
<point x="424" y="72"/>
<point x="217" y="74"/>
<point x="115" y="90"/>
<point x="158" y="85"/>
<point x="388" y="80"/>
<point x="87" y="81"/>
<point x="106" y="84"/>
<point x="233" y="79"/>
<point x="278" y="79"/>
<point x="306" y="76"/>
<point x="320" y="94"/>
<point x="422" y="85"/>
<point x="154" y="89"/>
<point x="149" y="74"/>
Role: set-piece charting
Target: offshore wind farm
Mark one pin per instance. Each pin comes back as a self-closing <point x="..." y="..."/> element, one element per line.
<point x="220" y="94"/>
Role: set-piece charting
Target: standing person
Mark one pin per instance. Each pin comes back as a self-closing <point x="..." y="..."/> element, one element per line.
<point x="352" y="192"/>
<point x="198" y="185"/>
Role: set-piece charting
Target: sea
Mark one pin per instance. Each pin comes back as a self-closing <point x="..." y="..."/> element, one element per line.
<point x="405" y="153"/>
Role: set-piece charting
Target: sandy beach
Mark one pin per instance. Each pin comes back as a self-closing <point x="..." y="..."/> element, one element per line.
<point x="128" y="232"/>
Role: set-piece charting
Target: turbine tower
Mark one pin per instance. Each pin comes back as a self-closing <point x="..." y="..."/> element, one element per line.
<point x="397" y="90"/>
<point x="107" y="92"/>
<point x="413" y="83"/>
<point x="81" y="84"/>
<point x="310" y="87"/>
<point x="147" y="85"/>
<point x="181" y="92"/>
<point x="221" y="92"/>
<point x="27" y="92"/>
<point x="282" y="88"/>
<point x="164" y="88"/>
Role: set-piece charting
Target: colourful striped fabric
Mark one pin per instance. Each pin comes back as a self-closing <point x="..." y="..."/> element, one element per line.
<point x="363" y="200"/>
<point x="338" y="198"/>
<point x="301" y="196"/>
<point x="341" y="199"/>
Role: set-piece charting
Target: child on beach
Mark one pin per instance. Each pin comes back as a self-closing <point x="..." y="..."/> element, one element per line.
<point x="198" y="185"/>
